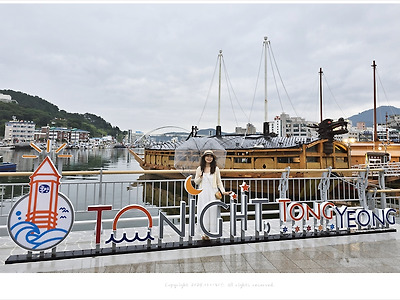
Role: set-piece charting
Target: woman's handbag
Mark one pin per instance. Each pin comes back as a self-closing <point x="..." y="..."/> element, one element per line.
<point x="218" y="194"/>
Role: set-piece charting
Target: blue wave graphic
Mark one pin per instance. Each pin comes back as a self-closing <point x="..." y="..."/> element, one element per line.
<point x="27" y="232"/>
<point x="125" y="238"/>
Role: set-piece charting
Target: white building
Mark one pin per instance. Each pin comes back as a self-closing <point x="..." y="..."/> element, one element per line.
<point x="19" y="131"/>
<point x="353" y="133"/>
<point x="250" y="129"/>
<point x="132" y="136"/>
<point x="286" y="126"/>
<point x="7" y="99"/>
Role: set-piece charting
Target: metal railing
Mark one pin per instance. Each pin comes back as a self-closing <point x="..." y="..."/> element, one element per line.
<point x="98" y="187"/>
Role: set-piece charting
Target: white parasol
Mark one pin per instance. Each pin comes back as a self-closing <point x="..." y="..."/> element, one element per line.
<point x="188" y="154"/>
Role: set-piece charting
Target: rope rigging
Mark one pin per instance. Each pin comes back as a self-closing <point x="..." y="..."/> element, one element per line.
<point x="255" y="89"/>
<point x="283" y="85"/>
<point x="333" y="96"/>
<point x="384" y="92"/>
<point x="209" y="91"/>
<point x="274" y="67"/>
<point x="276" y="85"/>
<point x="229" y="84"/>
<point x="230" y="91"/>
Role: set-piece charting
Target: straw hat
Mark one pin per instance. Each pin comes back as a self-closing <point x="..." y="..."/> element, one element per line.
<point x="208" y="152"/>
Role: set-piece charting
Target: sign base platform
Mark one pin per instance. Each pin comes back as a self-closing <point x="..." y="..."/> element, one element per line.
<point x="57" y="255"/>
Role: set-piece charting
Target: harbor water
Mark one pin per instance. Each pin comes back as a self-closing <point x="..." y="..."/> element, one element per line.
<point x="81" y="160"/>
<point x="82" y="190"/>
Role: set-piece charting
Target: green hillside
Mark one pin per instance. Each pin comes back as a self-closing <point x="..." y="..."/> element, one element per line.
<point x="43" y="113"/>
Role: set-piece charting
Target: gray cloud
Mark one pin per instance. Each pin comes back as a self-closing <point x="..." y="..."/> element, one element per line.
<point x="142" y="66"/>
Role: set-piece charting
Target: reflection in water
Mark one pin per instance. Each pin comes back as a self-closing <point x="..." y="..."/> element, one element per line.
<point x="81" y="160"/>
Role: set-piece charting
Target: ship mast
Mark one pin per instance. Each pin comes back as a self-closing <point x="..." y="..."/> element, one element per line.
<point x="320" y="94"/>
<point x="218" y="129"/>
<point x="375" y="125"/>
<point x="266" y="126"/>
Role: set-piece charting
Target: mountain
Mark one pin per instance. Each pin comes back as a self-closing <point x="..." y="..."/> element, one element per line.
<point x="43" y="113"/>
<point x="368" y="115"/>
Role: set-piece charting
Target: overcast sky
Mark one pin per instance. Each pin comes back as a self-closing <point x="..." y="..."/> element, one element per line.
<point x="143" y="66"/>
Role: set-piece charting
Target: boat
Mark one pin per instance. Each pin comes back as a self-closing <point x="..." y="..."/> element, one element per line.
<point x="259" y="152"/>
<point x="7" y="166"/>
<point x="262" y="151"/>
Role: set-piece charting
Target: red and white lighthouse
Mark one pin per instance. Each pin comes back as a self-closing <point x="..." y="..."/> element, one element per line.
<point x="43" y="196"/>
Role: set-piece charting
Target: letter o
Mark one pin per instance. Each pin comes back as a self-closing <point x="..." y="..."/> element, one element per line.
<point x="360" y="218"/>
<point x="300" y="216"/>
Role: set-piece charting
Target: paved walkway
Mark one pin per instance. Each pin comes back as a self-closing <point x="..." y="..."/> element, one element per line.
<point x="367" y="253"/>
<point x="326" y="260"/>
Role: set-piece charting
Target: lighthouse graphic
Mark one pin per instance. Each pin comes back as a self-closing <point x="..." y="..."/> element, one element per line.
<point x="43" y="198"/>
<point x="44" y="217"/>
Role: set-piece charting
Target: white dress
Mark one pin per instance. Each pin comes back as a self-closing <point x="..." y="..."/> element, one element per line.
<point x="206" y="196"/>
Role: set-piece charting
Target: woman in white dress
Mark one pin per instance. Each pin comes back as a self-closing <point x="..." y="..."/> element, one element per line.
<point x="208" y="177"/>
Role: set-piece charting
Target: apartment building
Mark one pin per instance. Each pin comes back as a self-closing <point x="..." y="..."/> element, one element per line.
<point x="17" y="131"/>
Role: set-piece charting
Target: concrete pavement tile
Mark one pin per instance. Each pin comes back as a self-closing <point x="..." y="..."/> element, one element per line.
<point x="295" y="254"/>
<point x="291" y="270"/>
<point x="191" y="267"/>
<point x="338" y="270"/>
<point x="262" y="264"/>
<point x="216" y="267"/>
<point x="387" y="269"/>
<point x="329" y="250"/>
<point x="306" y="263"/>
<point x="383" y="262"/>
<point x="149" y="267"/>
<point x="162" y="267"/>
<point x="350" y="262"/>
<point x="189" y="260"/>
<point x="316" y="254"/>
<point x="234" y="258"/>
<point x="266" y="271"/>
<point x="254" y="257"/>
<point x="331" y="263"/>
<point x="239" y="267"/>
<point x="88" y="270"/>
<point x="314" y="270"/>
<point x="118" y="269"/>
<point x="283" y="264"/>
<point x="217" y="258"/>
<point x="361" y="270"/>
<point x="275" y="255"/>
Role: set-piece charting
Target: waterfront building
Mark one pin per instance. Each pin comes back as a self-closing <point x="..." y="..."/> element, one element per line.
<point x="62" y="134"/>
<point x="286" y="126"/>
<point x="59" y="134"/>
<point x="353" y="133"/>
<point x="19" y="131"/>
<point x="250" y="129"/>
<point x="40" y="135"/>
<point x="78" y="135"/>
<point x="387" y="134"/>
<point x="393" y="121"/>
<point x="361" y="126"/>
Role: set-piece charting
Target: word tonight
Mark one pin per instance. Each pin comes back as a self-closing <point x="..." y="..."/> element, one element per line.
<point x="181" y="228"/>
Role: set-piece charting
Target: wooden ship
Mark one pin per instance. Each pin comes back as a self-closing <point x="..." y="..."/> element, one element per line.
<point x="264" y="152"/>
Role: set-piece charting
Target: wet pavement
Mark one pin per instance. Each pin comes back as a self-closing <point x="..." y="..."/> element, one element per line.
<point x="328" y="257"/>
<point x="366" y="253"/>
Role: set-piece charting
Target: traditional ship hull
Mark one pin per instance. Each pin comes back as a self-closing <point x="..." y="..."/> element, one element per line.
<point x="259" y="153"/>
